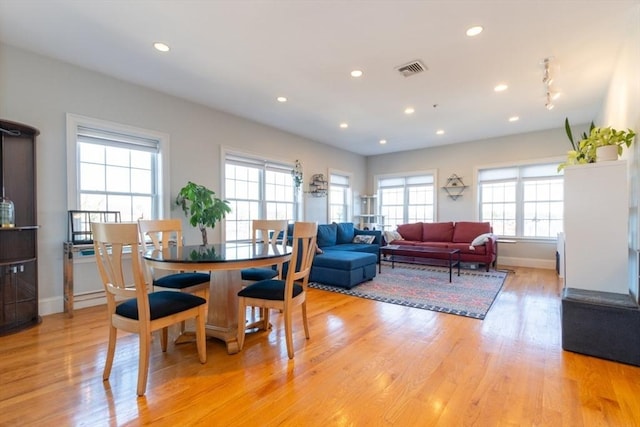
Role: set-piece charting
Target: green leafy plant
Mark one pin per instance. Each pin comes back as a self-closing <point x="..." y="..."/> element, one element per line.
<point x="201" y="206"/>
<point x="584" y="151"/>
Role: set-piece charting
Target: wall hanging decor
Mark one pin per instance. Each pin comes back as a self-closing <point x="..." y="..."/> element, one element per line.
<point x="454" y="186"/>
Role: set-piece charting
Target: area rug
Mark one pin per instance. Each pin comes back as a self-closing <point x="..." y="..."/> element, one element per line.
<point x="471" y="294"/>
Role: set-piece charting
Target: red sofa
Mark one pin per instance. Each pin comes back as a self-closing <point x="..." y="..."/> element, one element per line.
<point x="457" y="235"/>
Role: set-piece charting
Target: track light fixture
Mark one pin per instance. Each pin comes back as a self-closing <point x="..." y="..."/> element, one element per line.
<point x="547" y="80"/>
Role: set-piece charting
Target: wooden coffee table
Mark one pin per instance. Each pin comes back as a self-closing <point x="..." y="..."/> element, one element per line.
<point x="424" y="255"/>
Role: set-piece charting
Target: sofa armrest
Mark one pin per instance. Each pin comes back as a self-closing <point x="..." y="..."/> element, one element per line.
<point x="376" y="233"/>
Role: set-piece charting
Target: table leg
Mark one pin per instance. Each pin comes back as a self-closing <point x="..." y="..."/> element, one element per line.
<point x="222" y="316"/>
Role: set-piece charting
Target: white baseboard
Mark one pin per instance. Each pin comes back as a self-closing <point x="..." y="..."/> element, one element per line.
<point x="546" y="264"/>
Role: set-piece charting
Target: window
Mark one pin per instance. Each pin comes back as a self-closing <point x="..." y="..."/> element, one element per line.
<point x="256" y="189"/>
<point x="115" y="168"/>
<point x="406" y="199"/>
<point x="339" y="197"/>
<point x="522" y="201"/>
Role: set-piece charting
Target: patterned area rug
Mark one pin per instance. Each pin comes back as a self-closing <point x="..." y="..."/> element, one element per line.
<point x="428" y="288"/>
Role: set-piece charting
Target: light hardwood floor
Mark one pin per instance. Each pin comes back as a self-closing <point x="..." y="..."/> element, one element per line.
<point x="367" y="363"/>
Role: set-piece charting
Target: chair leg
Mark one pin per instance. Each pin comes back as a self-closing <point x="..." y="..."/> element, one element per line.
<point x="201" y="339"/>
<point x="242" y="318"/>
<point x="143" y="362"/>
<point x="164" y="337"/>
<point x="288" y="332"/>
<point x="304" y="319"/>
<point x="111" y="351"/>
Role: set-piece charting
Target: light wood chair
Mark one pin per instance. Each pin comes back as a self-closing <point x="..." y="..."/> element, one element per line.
<point x="129" y="304"/>
<point x="268" y="231"/>
<point x="163" y="233"/>
<point x="285" y="294"/>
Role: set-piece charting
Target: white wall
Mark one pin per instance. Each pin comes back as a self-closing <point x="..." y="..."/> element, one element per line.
<point x="622" y="110"/>
<point x="38" y="91"/>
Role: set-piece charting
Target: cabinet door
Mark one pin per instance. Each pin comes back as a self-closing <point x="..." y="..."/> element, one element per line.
<point x="19" y="296"/>
<point x="19" y="182"/>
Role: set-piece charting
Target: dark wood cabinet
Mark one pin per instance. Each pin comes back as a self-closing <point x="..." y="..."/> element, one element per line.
<point x="18" y="243"/>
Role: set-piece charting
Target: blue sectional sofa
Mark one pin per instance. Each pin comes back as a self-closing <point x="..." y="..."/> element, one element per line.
<point x="348" y="257"/>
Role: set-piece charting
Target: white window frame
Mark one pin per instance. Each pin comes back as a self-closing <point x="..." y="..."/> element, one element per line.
<point x="348" y="202"/>
<point x="161" y="201"/>
<point x="431" y="172"/>
<point x="257" y="159"/>
<point x="519" y="202"/>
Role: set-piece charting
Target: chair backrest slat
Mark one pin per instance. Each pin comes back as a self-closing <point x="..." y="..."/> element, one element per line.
<point x="112" y="243"/>
<point x="269" y="231"/>
<point x="304" y="246"/>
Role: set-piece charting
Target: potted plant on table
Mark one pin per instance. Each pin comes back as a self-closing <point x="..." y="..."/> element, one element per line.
<point x="202" y="207"/>
<point x="593" y="146"/>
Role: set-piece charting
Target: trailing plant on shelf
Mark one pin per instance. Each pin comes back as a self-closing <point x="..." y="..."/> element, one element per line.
<point x="584" y="151"/>
<point x="201" y="206"/>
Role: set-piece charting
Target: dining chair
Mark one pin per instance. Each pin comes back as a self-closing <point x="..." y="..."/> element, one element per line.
<point x="163" y="233"/>
<point x="130" y="305"/>
<point x="283" y="294"/>
<point x="273" y="232"/>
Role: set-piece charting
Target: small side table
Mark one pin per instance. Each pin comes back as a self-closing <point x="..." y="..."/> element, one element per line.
<point x="498" y="242"/>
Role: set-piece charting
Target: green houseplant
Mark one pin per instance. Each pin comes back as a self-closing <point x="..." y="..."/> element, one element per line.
<point x="584" y="151"/>
<point x="201" y="206"/>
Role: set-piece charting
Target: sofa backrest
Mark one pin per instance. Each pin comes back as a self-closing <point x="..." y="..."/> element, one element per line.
<point x="346" y="231"/>
<point x="327" y="235"/>
<point x="411" y="231"/>
<point x="466" y="231"/>
<point x="437" y="231"/>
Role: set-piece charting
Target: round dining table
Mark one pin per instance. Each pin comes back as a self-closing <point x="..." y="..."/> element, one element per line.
<point x="224" y="261"/>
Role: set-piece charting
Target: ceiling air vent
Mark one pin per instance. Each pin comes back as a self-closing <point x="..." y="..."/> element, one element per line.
<point x="413" y="67"/>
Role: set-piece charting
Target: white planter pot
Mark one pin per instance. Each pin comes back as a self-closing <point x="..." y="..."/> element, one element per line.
<point x="607" y="153"/>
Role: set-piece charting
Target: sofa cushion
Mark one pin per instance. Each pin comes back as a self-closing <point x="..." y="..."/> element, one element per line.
<point x="344" y="260"/>
<point x="345" y="232"/>
<point x="437" y="231"/>
<point x="480" y="240"/>
<point x="327" y="235"/>
<point x="412" y="231"/>
<point x="352" y="247"/>
<point x="467" y="231"/>
<point x="392" y="236"/>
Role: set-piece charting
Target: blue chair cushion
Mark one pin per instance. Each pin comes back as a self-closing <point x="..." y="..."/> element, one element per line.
<point x="268" y="289"/>
<point x="181" y="280"/>
<point x="161" y="304"/>
<point x="256" y="274"/>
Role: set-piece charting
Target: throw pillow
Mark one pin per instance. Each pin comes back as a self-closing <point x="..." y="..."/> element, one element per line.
<point x="390" y="236"/>
<point x="363" y="238"/>
<point x="480" y="240"/>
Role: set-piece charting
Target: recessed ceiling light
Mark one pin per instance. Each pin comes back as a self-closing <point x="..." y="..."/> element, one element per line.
<point x="344" y="125"/>
<point x="161" y="47"/>
<point x="514" y="118"/>
<point x="440" y="132"/>
<point x="356" y="73"/>
<point x="474" y="31"/>
<point x="501" y="87"/>
<point x="555" y="95"/>
<point x="383" y="141"/>
<point x="409" y="110"/>
<point x="282" y="99"/>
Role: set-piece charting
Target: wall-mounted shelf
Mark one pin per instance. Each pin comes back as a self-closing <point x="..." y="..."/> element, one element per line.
<point x="454" y="187"/>
<point x="318" y="186"/>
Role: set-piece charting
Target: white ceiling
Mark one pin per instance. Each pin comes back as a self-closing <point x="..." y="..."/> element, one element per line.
<point x="238" y="56"/>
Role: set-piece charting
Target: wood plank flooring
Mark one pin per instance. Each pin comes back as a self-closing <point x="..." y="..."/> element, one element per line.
<point x="367" y="364"/>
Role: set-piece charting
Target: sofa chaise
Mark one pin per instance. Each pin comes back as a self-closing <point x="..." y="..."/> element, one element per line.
<point x="347" y="256"/>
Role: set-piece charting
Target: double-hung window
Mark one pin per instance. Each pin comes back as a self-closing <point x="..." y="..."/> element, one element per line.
<point x="115" y="168"/>
<point x="339" y="197"/>
<point x="405" y="199"/>
<point x="523" y="200"/>
<point x="256" y="189"/>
